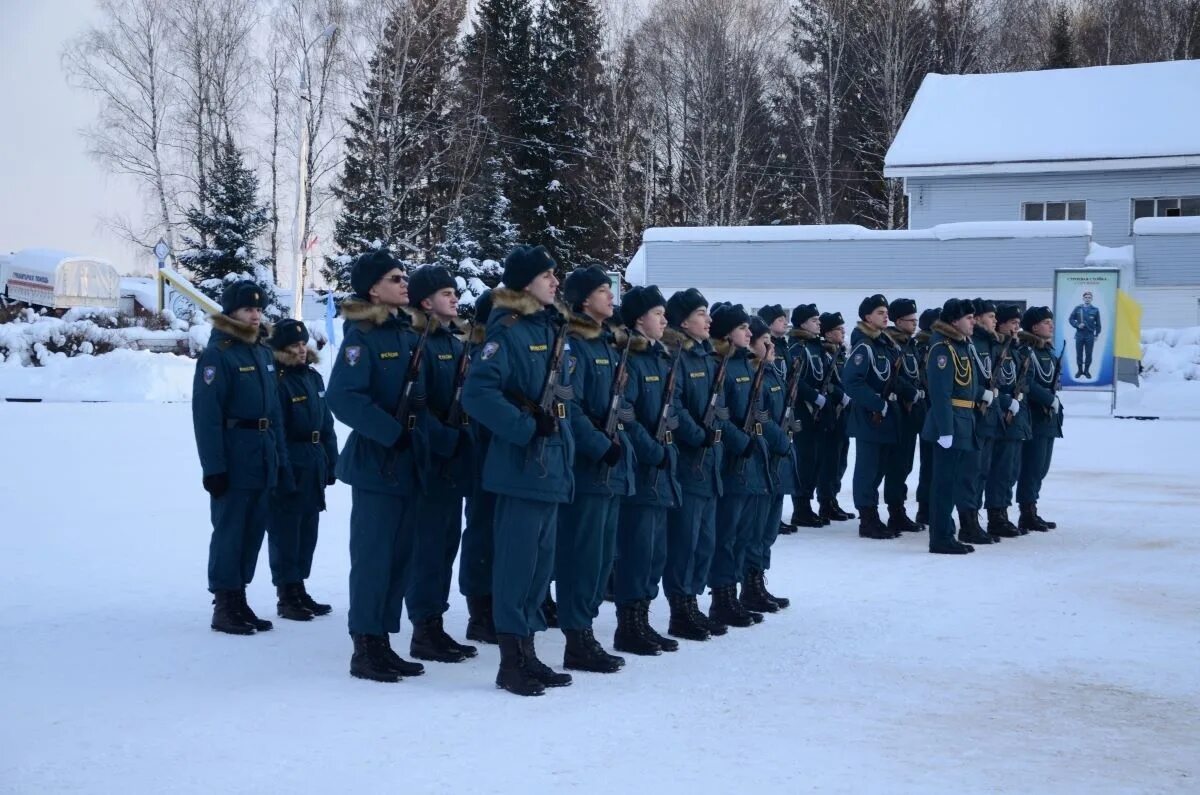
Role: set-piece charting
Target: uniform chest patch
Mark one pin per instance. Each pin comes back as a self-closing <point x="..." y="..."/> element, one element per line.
<point x="445" y="357"/>
<point x="776" y="389"/>
<point x="539" y="348"/>
<point x="249" y="368"/>
<point x="602" y="361"/>
<point x="742" y="379"/>
<point x="352" y="353"/>
<point x="650" y="379"/>
<point x="941" y="362"/>
<point x="389" y="354"/>
<point x="299" y="398"/>
<point x="698" y="374"/>
<point x="489" y="350"/>
<point x="209" y="374"/>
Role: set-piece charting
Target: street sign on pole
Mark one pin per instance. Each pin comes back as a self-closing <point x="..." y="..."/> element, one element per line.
<point x="161" y="251"/>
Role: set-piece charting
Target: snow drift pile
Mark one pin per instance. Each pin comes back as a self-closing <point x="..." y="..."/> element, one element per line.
<point x="1172" y="354"/>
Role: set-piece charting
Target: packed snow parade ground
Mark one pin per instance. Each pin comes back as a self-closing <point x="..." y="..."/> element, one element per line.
<point x="1056" y="662"/>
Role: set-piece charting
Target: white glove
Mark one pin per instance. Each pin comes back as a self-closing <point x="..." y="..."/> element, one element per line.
<point x="1057" y="404"/>
<point x="920" y="394"/>
<point x="820" y="401"/>
<point x="845" y="401"/>
<point x="1015" y="407"/>
<point x="884" y="412"/>
<point x="988" y="396"/>
<point x="892" y="397"/>
<point x="945" y="441"/>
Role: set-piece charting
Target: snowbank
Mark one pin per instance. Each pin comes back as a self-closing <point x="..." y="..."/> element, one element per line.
<point x="1185" y="225"/>
<point x="1171" y="354"/>
<point x="31" y="338"/>
<point x="120" y="376"/>
<point x="1112" y="256"/>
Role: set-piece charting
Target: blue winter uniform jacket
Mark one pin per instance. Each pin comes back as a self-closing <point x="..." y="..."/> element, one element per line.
<point x="742" y="473"/>
<point x="699" y="467"/>
<point x="785" y="472"/>
<point x="512" y="369"/>
<point x="987" y="349"/>
<point x="808" y="353"/>
<point x="1041" y="388"/>
<point x="1020" y="427"/>
<point x="592" y="363"/>
<point x="451" y="468"/>
<point x="909" y="387"/>
<point x="1085" y="319"/>
<point x="953" y="388"/>
<point x="307" y="426"/>
<point x="364" y="393"/>
<point x="235" y="408"/>
<point x="868" y="368"/>
<point x="649" y="366"/>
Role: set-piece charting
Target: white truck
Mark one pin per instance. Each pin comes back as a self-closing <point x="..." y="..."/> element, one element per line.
<point x="59" y="280"/>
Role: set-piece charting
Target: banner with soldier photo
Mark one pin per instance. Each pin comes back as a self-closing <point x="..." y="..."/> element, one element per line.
<point x="1085" y="309"/>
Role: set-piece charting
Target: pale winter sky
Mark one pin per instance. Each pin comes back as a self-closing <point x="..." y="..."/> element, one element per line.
<point x="54" y="195"/>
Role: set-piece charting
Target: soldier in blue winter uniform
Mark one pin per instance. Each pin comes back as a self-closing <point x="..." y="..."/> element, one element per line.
<point x="691" y="528"/>
<point x="874" y="418"/>
<point x="950" y="424"/>
<point x="1046" y="414"/>
<point x="312" y="450"/>
<point x="243" y="453"/>
<point x="910" y="414"/>
<point x="475" y="560"/>
<point x="587" y="526"/>
<point x="642" y="526"/>
<point x="745" y="473"/>
<point x="813" y="409"/>
<point x="1085" y="319"/>
<point x="782" y="474"/>
<point x="1014" y="428"/>
<point x="382" y="460"/>
<point x="530" y="457"/>
<point x="834" y="443"/>
<point x="776" y="318"/>
<point x="438" y="509"/>
<point x="925" y="473"/>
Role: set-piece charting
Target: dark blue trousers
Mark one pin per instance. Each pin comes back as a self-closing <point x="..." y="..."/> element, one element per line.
<point x="999" y="490"/>
<point x="943" y="490"/>
<point x="693" y="524"/>
<point x="1035" y="464"/>
<point x="291" y="543"/>
<point x="870" y="464"/>
<point x="525" y="533"/>
<point x="641" y="552"/>
<point x="977" y="466"/>
<point x="239" y="521"/>
<point x="758" y="553"/>
<point x="808" y="455"/>
<point x="437" y="525"/>
<point x="925" y="474"/>
<point x="381" y="549"/>
<point x="583" y="557"/>
<point x="833" y="454"/>
<point x="475" y="567"/>
<point x="898" y="466"/>
<point x="738" y="520"/>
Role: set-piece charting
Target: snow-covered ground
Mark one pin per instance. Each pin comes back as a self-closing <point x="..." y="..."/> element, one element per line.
<point x="1059" y="662"/>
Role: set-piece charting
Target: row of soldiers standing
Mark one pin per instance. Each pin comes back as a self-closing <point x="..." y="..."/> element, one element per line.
<point x="602" y="455"/>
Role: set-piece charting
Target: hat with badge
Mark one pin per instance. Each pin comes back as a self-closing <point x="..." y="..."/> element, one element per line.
<point x="1034" y="315"/>
<point x="1007" y="312"/>
<point x="243" y="294"/>
<point x="871" y="303"/>
<point x="524" y="264"/>
<point x="638" y="301"/>
<point x="983" y="306"/>
<point x="368" y="268"/>
<point x="830" y="321"/>
<point x="771" y="312"/>
<point x="682" y="304"/>
<point x="928" y="317"/>
<point x="956" y="309"/>
<point x="428" y="280"/>
<point x="758" y="327"/>
<point x="901" y="307"/>
<point x="725" y="318"/>
<point x="582" y="282"/>
<point x="288" y="332"/>
<point x="803" y="313"/>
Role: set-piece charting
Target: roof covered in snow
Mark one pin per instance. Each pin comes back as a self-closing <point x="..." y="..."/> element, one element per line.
<point x="1104" y="117"/>
<point x="813" y="232"/>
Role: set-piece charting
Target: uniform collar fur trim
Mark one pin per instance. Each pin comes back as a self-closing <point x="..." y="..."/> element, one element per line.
<point x="802" y="334"/>
<point x="584" y="327"/>
<point x="289" y="359"/>
<point x="521" y="302"/>
<point x="897" y="336"/>
<point x="949" y="331"/>
<point x="675" y="338"/>
<point x="867" y="330"/>
<point x="356" y="309"/>
<point x="1033" y="340"/>
<point x="243" y="332"/>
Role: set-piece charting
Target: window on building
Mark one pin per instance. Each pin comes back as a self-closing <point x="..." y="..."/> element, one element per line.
<point x="1054" y="211"/>
<point x="1166" y="207"/>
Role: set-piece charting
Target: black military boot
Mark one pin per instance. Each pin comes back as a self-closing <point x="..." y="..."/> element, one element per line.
<point x="998" y="524"/>
<point x="584" y="653"/>
<point x="786" y="529"/>
<point x="803" y="516"/>
<point x="898" y="521"/>
<point x="714" y="628"/>
<point x="683" y="623"/>
<point x="666" y="644"/>
<point x="629" y="636"/>
<point x="869" y="525"/>
<point x="314" y="607"/>
<point x="430" y="642"/>
<point x="479" y="621"/>
<point x="840" y="511"/>
<point x="1049" y="524"/>
<point x="550" y="612"/>
<point x="369" y="660"/>
<point x="259" y="624"/>
<point x="783" y="602"/>
<point x="398" y="663"/>
<point x="289" y="605"/>
<point x="753" y="598"/>
<point x="922" y="517"/>
<point x="512" y="675"/>
<point x="227" y="617"/>
<point x="970" y="531"/>
<point x="538" y="669"/>
<point x="952" y="548"/>
<point x="1029" y="520"/>
<point x="727" y="609"/>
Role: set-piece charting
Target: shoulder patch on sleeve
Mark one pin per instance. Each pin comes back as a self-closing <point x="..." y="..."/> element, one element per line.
<point x="858" y="358"/>
<point x="353" y="354"/>
<point x="209" y="373"/>
<point x="941" y="361"/>
<point x="489" y="350"/>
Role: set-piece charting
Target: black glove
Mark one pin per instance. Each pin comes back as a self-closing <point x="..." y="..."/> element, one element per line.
<point x="217" y="484"/>
<point x="403" y="443"/>
<point x="546" y="425"/>
<point x="710" y="437"/>
<point x="666" y="459"/>
<point x="329" y="481"/>
<point x="612" y="456"/>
